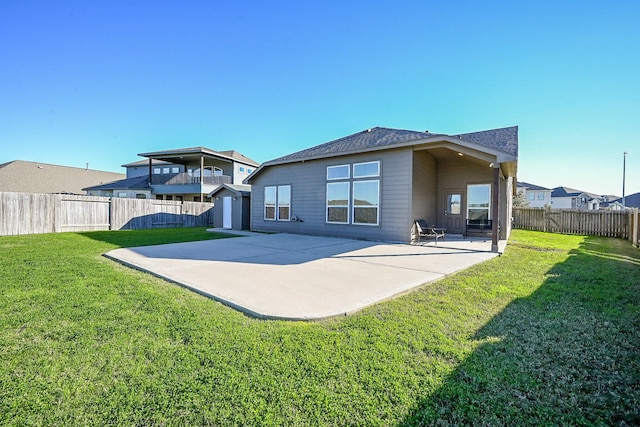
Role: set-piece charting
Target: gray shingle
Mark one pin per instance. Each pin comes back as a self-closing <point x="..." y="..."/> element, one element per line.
<point x="505" y="139"/>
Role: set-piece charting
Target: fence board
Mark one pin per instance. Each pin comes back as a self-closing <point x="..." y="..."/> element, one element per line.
<point x="573" y="221"/>
<point x="32" y="213"/>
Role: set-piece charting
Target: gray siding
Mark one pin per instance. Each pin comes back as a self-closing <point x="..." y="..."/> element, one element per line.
<point x="308" y="197"/>
<point x="425" y="181"/>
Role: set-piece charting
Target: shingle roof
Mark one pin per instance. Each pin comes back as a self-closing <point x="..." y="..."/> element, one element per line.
<point x="32" y="177"/>
<point x="135" y="183"/>
<point x="531" y="186"/>
<point x="571" y="192"/>
<point x="238" y="188"/>
<point x="505" y="140"/>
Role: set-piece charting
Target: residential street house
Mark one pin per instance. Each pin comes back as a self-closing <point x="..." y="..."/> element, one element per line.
<point x="569" y="198"/>
<point x="33" y="177"/>
<point x="535" y="195"/>
<point x="188" y="174"/>
<point x="374" y="184"/>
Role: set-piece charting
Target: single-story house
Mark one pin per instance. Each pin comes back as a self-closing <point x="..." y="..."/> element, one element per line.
<point x="374" y="184"/>
<point x="233" y="202"/>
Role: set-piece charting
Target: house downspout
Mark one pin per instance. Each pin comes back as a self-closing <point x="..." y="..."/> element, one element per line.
<point x="150" y="174"/>
<point x="495" y="205"/>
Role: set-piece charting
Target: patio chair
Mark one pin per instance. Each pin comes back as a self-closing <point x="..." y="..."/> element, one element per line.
<point x="428" y="232"/>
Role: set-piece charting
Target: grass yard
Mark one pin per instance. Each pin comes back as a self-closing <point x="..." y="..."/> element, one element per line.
<point x="548" y="333"/>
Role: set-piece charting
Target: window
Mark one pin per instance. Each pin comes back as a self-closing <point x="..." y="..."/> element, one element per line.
<point x="479" y="201"/>
<point x="241" y="169"/>
<point x="156" y="171"/>
<point x="540" y="195"/>
<point x="366" y="196"/>
<point x="249" y="170"/>
<point x="279" y="196"/>
<point x="531" y="195"/>
<point x="338" y="172"/>
<point x="166" y="169"/>
<point x="217" y="171"/>
<point x="284" y="202"/>
<point x="454" y="201"/>
<point x="365" y="170"/>
<point x="141" y="196"/>
<point x="175" y="169"/>
<point x="270" y="203"/>
<point x="121" y="194"/>
<point x="353" y="201"/>
<point x="338" y="202"/>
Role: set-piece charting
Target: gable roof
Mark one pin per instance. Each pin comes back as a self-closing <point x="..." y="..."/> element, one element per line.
<point x="531" y="186"/>
<point x="135" y="183"/>
<point x="239" y="189"/>
<point x="571" y="192"/>
<point x="630" y="201"/>
<point x="33" y="177"/>
<point x="504" y="140"/>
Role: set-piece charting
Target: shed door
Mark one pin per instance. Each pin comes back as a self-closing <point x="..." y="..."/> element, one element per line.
<point x="226" y="212"/>
<point x="453" y="212"/>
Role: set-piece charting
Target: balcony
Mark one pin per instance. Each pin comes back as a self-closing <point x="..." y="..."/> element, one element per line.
<point x="185" y="183"/>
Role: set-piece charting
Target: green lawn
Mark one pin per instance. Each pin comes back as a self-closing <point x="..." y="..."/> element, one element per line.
<point x="548" y="333"/>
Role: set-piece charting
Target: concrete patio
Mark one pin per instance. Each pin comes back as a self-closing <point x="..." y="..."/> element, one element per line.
<point x="298" y="277"/>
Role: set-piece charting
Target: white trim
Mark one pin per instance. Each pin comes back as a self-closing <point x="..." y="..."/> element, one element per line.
<point x="353" y="204"/>
<point x="326" y="202"/>
<point x="366" y="163"/>
<point x="336" y="167"/>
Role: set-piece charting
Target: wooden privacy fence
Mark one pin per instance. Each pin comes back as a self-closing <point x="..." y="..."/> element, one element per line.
<point x="32" y="213"/>
<point x="620" y="224"/>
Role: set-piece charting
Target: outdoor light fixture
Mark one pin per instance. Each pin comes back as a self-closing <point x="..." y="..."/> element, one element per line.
<point x="460" y="154"/>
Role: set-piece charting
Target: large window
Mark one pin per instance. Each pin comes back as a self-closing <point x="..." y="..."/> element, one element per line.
<point x="279" y="197"/>
<point x="353" y="200"/>
<point x="366" y="196"/>
<point x="338" y="202"/>
<point x="479" y="201"/>
<point x="270" y="203"/>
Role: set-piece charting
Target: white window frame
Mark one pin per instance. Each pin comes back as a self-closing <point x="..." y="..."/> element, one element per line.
<point x="347" y="185"/>
<point x="488" y="208"/>
<point x="355" y="165"/>
<point x="175" y="169"/>
<point x="166" y="170"/>
<point x="274" y="205"/>
<point x="354" y="206"/>
<point x="279" y="190"/>
<point x="241" y="169"/>
<point x="157" y="171"/>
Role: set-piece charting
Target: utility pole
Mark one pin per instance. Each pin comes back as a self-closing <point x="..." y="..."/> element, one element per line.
<point x="624" y="175"/>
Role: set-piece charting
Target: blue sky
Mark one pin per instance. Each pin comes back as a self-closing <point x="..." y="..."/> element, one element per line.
<point x="99" y="82"/>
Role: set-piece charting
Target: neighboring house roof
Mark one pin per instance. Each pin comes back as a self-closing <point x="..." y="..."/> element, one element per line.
<point x="145" y="162"/>
<point x="176" y="153"/>
<point x="33" y="177"/>
<point x="630" y="201"/>
<point x="532" y="186"/>
<point x="503" y="140"/>
<point x="136" y="183"/>
<point x="571" y="192"/>
<point x="240" y="189"/>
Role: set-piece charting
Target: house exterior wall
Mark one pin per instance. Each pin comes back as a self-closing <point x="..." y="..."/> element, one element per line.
<point x="239" y="176"/>
<point x="424" y="187"/>
<point x="456" y="175"/>
<point x="563" y="203"/>
<point x="308" y="182"/>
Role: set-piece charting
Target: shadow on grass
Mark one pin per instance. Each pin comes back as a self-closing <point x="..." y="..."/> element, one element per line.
<point x="149" y="237"/>
<point x="568" y="354"/>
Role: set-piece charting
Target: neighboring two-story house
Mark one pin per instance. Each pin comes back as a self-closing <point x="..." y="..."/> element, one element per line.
<point x="569" y="198"/>
<point x="535" y="195"/>
<point x="188" y="174"/>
